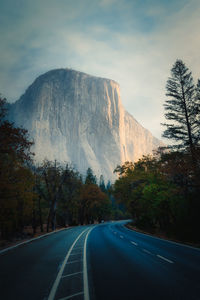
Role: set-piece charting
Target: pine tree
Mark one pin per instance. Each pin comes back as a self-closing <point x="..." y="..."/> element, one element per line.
<point x="182" y="108"/>
<point x="197" y="100"/>
<point x="90" y="177"/>
<point x="102" y="184"/>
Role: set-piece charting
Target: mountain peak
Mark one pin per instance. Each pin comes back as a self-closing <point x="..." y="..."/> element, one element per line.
<point x="78" y="118"/>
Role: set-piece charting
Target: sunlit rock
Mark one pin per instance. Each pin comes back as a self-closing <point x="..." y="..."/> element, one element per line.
<point x="77" y="118"/>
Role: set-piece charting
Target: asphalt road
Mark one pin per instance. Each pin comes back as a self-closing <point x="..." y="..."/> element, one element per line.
<point x="29" y="272"/>
<point x="125" y="264"/>
<point x="106" y="261"/>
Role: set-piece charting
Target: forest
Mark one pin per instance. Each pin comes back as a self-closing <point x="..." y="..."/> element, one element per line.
<point x="162" y="191"/>
<point x="47" y="195"/>
<point x="159" y="192"/>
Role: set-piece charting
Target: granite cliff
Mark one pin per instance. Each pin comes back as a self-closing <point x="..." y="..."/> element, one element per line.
<point x="78" y="118"/>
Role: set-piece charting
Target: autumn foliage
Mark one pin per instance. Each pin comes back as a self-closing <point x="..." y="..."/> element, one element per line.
<point x="46" y="195"/>
<point x="16" y="179"/>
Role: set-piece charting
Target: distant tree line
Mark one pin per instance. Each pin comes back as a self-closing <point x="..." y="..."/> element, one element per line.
<point x="47" y="195"/>
<point x="162" y="191"/>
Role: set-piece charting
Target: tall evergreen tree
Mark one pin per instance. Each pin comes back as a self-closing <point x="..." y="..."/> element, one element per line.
<point x="90" y="177"/>
<point x="197" y="99"/>
<point x="182" y="108"/>
<point x="102" y="184"/>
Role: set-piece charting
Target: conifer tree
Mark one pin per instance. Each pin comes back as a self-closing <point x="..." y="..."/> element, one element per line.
<point x="197" y="100"/>
<point x="182" y="109"/>
<point x="102" y="184"/>
<point x="90" y="177"/>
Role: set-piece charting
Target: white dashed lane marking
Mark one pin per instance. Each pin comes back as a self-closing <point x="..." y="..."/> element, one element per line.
<point x="166" y="259"/>
<point x="134" y="243"/>
<point x="146" y="251"/>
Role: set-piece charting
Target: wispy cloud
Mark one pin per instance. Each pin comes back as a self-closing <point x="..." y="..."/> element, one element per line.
<point x="132" y="43"/>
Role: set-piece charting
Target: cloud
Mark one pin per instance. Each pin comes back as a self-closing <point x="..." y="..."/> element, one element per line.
<point x="103" y="38"/>
<point x="107" y="2"/>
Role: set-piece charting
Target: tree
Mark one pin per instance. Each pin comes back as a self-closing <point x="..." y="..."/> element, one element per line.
<point x="68" y="204"/>
<point x="182" y="108"/>
<point x="197" y="133"/>
<point x="102" y="184"/>
<point x="16" y="179"/>
<point x="94" y="204"/>
<point x="90" y="177"/>
<point x="51" y="187"/>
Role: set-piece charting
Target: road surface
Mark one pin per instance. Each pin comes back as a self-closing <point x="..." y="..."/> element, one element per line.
<point x="125" y="264"/>
<point x="100" y="262"/>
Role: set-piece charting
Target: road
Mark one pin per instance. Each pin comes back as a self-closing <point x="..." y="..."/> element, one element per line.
<point x="125" y="264"/>
<point x="100" y="262"/>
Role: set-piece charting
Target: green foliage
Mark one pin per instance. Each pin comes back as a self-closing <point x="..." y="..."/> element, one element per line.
<point x="161" y="194"/>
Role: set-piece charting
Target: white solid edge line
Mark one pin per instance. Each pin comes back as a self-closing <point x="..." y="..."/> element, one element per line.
<point x="58" y="278"/>
<point x="168" y="260"/>
<point x="85" y="273"/>
<point x="167" y="241"/>
<point x="31" y="240"/>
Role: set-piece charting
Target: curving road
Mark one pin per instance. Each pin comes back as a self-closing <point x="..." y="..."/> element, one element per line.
<point x="106" y="261"/>
<point x="125" y="264"/>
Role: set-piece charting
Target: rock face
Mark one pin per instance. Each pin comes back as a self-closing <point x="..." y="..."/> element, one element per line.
<point x="77" y="118"/>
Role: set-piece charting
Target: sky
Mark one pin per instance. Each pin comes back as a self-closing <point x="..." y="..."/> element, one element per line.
<point x="134" y="42"/>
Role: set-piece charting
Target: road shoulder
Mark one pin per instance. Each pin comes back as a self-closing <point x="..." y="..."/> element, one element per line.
<point x="21" y="243"/>
<point x="162" y="237"/>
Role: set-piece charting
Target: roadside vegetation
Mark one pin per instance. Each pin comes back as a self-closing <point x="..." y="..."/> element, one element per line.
<point x="162" y="192"/>
<point x="42" y="198"/>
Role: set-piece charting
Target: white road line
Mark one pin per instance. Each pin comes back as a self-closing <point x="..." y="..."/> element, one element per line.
<point x="71" y="296"/>
<point x="134" y="243"/>
<point x="58" y="278"/>
<point x="78" y="253"/>
<point x="85" y="273"/>
<point x="161" y="239"/>
<point x="168" y="260"/>
<point x="73" y="261"/>
<point x="72" y="274"/>
<point x="121" y="236"/>
<point x="144" y="250"/>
